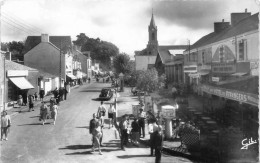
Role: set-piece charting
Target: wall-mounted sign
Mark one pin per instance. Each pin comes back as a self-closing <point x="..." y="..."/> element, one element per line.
<point x="232" y="94"/>
<point x="190" y="69"/>
<point x="225" y="68"/>
<point x="12" y="73"/>
<point x="215" y="79"/>
<point x="168" y="111"/>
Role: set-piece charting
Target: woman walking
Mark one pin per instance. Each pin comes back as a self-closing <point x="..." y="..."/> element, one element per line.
<point x="43" y="112"/>
<point x="54" y="112"/>
<point x="111" y="112"/>
<point x="5" y="125"/>
<point x="97" y="134"/>
<point x="20" y="102"/>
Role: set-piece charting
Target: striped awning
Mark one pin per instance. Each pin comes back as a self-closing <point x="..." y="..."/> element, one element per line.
<point x="22" y="83"/>
<point x="71" y="76"/>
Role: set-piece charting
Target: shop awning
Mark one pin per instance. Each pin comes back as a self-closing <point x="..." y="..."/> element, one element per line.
<point x="71" y="76"/>
<point x="204" y="72"/>
<point x="194" y="75"/>
<point x="22" y="83"/>
<point x="239" y="74"/>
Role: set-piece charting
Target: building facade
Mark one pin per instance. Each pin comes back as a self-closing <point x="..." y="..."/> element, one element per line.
<point x="148" y="55"/>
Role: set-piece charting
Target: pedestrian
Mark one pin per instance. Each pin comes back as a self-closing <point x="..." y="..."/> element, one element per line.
<point x="54" y="112"/>
<point x="174" y="92"/>
<point x="141" y="121"/>
<point x="153" y="127"/>
<point x="135" y="131"/>
<point x="55" y="93"/>
<point x="5" y="125"/>
<point x="42" y="93"/>
<point x="43" y="112"/>
<point x="35" y="96"/>
<point x="111" y="112"/>
<point x="24" y="94"/>
<point x="88" y="79"/>
<point x="20" y="101"/>
<point x="101" y="110"/>
<point x="97" y="134"/>
<point x="61" y="94"/>
<point x="92" y="126"/>
<point x="31" y="103"/>
<point x="66" y="92"/>
<point x="123" y="132"/>
<point x="158" y="137"/>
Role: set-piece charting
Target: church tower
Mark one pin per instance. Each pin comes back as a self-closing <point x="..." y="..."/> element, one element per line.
<point x="152" y="42"/>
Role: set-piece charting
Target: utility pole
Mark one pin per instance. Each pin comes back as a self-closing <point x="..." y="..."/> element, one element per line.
<point x="4" y="89"/>
<point x="60" y="62"/>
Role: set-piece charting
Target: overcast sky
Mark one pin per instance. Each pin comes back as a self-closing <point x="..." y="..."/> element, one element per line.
<point x="122" y="22"/>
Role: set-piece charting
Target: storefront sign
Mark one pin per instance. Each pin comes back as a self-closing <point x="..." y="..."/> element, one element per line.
<point x="225" y="68"/>
<point x="215" y="79"/>
<point x="168" y="112"/>
<point x="190" y="69"/>
<point x="13" y="73"/>
<point x="232" y="94"/>
<point x="135" y="109"/>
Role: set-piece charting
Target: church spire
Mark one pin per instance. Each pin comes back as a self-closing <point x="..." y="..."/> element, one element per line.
<point x="152" y="23"/>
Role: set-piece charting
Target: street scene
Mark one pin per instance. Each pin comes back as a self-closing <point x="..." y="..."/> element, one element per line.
<point x="129" y="81"/>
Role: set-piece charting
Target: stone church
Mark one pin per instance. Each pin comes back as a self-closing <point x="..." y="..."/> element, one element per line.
<point x="154" y="55"/>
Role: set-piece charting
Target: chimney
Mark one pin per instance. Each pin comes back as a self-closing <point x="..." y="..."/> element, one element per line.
<point x="220" y="26"/>
<point x="237" y="17"/>
<point x="45" y="38"/>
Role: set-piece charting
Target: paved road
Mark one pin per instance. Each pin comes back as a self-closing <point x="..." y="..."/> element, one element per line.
<point x="68" y="141"/>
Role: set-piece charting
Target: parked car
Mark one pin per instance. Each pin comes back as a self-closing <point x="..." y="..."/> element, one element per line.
<point x="136" y="92"/>
<point x="105" y="94"/>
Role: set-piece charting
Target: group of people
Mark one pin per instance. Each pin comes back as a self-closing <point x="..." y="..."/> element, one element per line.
<point x="97" y="124"/>
<point x="51" y="114"/>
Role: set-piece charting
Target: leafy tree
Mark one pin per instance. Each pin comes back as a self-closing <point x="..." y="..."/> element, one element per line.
<point x="121" y="63"/>
<point x="148" y="80"/>
<point x="16" y="47"/>
<point x="101" y="51"/>
<point x="81" y="39"/>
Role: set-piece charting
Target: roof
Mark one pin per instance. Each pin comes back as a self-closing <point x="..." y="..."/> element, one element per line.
<point x="152" y="23"/>
<point x="164" y="51"/>
<point x="46" y="75"/>
<point x="245" y="25"/>
<point x="10" y="65"/>
<point x="58" y="41"/>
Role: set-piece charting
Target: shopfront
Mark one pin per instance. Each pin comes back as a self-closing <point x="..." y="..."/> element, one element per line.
<point x="17" y="84"/>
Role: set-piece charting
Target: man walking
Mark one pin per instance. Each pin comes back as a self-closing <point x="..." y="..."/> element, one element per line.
<point x="158" y="137"/>
<point x="123" y="132"/>
<point x="5" y="125"/>
<point x="141" y="121"/>
<point x="101" y="114"/>
<point x="31" y="103"/>
<point x="92" y="126"/>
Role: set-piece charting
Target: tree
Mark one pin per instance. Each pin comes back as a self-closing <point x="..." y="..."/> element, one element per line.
<point x="16" y="47"/>
<point x="121" y="63"/>
<point x="101" y="51"/>
<point x="81" y="39"/>
<point x="148" y="80"/>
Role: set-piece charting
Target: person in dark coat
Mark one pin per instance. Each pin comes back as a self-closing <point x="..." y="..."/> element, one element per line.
<point x="158" y="143"/>
<point x="61" y="93"/>
<point x="24" y="97"/>
<point x="65" y="91"/>
<point x="31" y="103"/>
<point x="42" y="93"/>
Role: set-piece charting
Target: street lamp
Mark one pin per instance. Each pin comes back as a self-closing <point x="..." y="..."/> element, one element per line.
<point x="121" y="76"/>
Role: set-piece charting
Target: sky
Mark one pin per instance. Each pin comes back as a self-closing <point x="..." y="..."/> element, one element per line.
<point x="122" y="22"/>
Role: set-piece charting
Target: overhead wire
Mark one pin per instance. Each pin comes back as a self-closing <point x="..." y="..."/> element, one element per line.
<point x="21" y="21"/>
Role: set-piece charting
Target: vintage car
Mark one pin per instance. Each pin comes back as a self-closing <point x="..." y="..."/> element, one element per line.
<point x="105" y="94"/>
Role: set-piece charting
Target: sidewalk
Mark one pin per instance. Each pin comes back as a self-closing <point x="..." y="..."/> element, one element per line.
<point x="127" y="100"/>
<point x="13" y="111"/>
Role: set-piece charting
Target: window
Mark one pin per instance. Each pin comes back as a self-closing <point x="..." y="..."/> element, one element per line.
<point x="241" y="50"/>
<point x="203" y="57"/>
<point x="153" y="36"/>
<point x="221" y="54"/>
